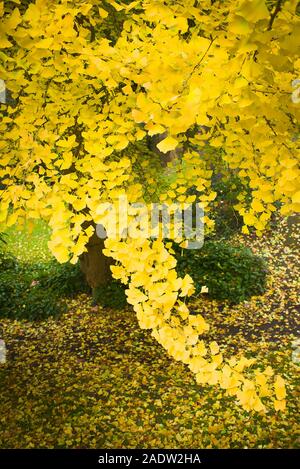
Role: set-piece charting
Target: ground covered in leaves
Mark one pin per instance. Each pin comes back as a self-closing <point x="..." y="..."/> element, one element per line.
<point x="93" y="379"/>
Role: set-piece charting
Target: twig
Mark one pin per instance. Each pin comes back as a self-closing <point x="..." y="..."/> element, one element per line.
<point x="275" y="13"/>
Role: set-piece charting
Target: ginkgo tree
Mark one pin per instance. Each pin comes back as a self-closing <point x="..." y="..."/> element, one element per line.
<point x="92" y="81"/>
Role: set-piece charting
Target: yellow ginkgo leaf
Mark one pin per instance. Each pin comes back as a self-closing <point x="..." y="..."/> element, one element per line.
<point x="296" y="198"/>
<point x="4" y="43"/>
<point x="279" y="387"/>
<point x="154" y="129"/>
<point x="239" y="25"/>
<point x="268" y="371"/>
<point x="67" y="160"/>
<point x="103" y="13"/>
<point x="167" y="144"/>
<point x="279" y="405"/>
<point x="187" y="286"/>
<point x="61" y="253"/>
<point x="44" y="43"/>
<point x="214" y="348"/>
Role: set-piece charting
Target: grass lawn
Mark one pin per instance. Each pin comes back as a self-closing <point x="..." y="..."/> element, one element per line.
<point x="92" y="379"/>
<point x="29" y="244"/>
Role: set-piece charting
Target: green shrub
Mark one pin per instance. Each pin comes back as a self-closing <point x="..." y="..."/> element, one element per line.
<point x="7" y="261"/>
<point x="111" y="295"/>
<point x="65" y="279"/>
<point x="36" y="291"/>
<point x="231" y="273"/>
<point x="20" y="300"/>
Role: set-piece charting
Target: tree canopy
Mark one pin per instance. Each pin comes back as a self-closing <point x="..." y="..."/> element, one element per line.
<point x="91" y="81"/>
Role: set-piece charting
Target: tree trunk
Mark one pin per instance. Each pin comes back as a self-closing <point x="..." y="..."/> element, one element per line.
<point x="291" y="222"/>
<point x="95" y="265"/>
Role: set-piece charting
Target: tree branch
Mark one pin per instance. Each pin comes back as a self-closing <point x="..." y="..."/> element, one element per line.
<point x="275" y="13"/>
